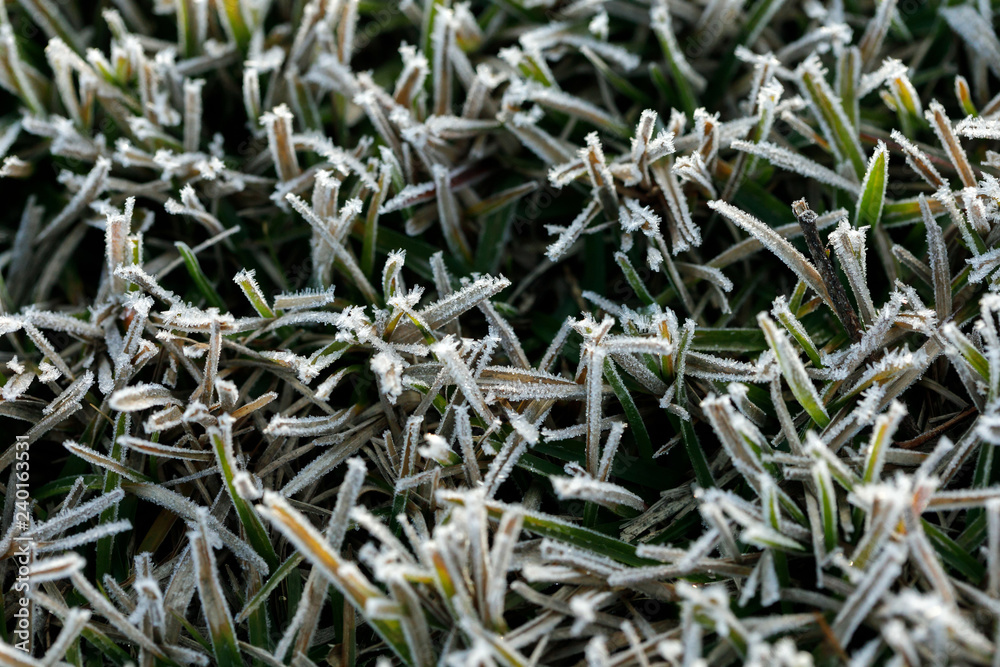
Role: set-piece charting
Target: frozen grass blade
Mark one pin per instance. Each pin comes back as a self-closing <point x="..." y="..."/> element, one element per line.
<point x="631" y="410"/>
<point x="850" y="247"/>
<point x="222" y="443"/>
<point x="969" y="24"/>
<point x="937" y="252"/>
<point x="601" y="493"/>
<point x="602" y="546"/>
<point x="830" y="114"/>
<point x="102" y="606"/>
<point x="827" y="497"/>
<point x="442" y="37"/>
<point x="794" y="327"/>
<point x="875" y="32"/>
<point x="682" y="75"/>
<point x="793" y="371"/>
<point x="876" y="581"/>
<point x="845" y="311"/>
<point x="245" y="279"/>
<point x="449" y="214"/>
<point x="786" y="159"/>
<point x="774" y="242"/>
<point x="469" y="296"/>
<point x="885" y="427"/>
<point x="345" y="576"/>
<point x="278" y="123"/>
<point x="221" y="628"/>
<point x="941" y="125"/>
<point x="188" y="509"/>
<point x="92" y="187"/>
<point x="919" y="161"/>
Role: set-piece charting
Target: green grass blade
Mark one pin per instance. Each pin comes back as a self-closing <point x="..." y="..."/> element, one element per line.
<point x="635" y="421"/>
<point x="793" y="371"/>
<point x="222" y="630"/>
<point x="634" y="281"/>
<point x="111" y="480"/>
<point x="831" y="113"/>
<point x="270" y="585"/>
<point x="255" y="531"/>
<point x="873" y="187"/>
<point x="351" y="582"/>
<point x="953" y="554"/>
<point x="557" y="529"/>
<point x="198" y="276"/>
<point x="730" y="339"/>
<point x="693" y="447"/>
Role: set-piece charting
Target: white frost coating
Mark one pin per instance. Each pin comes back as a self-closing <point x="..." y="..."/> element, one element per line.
<point x="877" y="580"/>
<point x="978" y="128"/>
<point x="771" y="240"/>
<point x="603" y="493"/>
<point x="446" y="351"/>
<point x="85" y="537"/>
<point x="58" y="567"/>
<point x="850" y="246"/>
<point x="388" y="368"/>
<point x="634" y="217"/>
<point x="890" y="69"/>
<point x="17" y="385"/>
<point x="570" y="234"/>
<point x="983" y="265"/>
<point x="247" y="485"/>
<point x="72" y="517"/>
<point x="524" y="428"/>
<point x="790" y="161"/>
<point x="469" y="296"/>
<point x="976" y="32"/>
<point x="436" y="448"/>
<point x="918" y="160"/>
<point x="654" y="258"/>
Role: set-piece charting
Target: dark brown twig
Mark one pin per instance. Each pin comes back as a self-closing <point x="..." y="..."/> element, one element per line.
<point x="936" y="431"/>
<point x="845" y="311"/>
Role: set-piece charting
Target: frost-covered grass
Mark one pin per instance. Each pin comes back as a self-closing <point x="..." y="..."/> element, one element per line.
<point x="531" y="332"/>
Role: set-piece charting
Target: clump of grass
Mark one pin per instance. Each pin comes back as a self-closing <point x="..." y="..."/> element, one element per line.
<point x="367" y="333"/>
